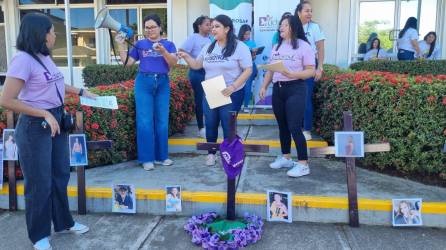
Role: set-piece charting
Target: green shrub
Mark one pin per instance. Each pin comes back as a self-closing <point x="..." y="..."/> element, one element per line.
<point x="408" y="112"/>
<point x="416" y="67"/>
<point x="104" y="74"/>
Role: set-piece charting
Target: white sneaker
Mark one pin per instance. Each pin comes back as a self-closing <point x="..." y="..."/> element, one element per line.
<point x="307" y="135"/>
<point x="166" y="162"/>
<point x="210" y="160"/>
<point x="281" y="162"/>
<point x="298" y="170"/>
<point x="43" y="244"/>
<point x="148" y="166"/>
<point x="202" y="133"/>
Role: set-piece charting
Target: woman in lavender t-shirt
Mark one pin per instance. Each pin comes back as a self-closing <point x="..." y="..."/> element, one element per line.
<point x="230" y="58"/>
<point x="193" y="46"/>
<point x="34" y="87"/>
<point x="289" y="92"/>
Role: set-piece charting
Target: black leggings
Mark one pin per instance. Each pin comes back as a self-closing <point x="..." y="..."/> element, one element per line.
<point x="289" y="107"/>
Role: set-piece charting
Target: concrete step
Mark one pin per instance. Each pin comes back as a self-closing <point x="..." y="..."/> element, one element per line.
<point x="252" y="119"/>
<point x="318" y="197"/>
<point x="252" y="134"/>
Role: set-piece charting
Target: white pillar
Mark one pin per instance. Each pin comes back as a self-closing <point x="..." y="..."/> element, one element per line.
<point x="69" y="42"/>
<point x="102" y="38"/>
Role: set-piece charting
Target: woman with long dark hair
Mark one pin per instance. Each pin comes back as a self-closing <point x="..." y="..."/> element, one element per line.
<point x="193" y="45"/>
<point x="408" y="41"/>
<point x="152" y="92"/>
<point x="289" y="93"/>
<point x="230" y="58"/>
<point x="244" y="35"/>
<point x="35" y="88"/>
<point x="375" y="51"/>
<point x="428" y="46"/>
<point x="316" y="38"/>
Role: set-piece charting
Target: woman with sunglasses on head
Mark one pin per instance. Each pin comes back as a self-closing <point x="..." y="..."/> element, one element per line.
<point x="289" y="93"/>
<point x="152" y="91"/>
<point x="193" y="46"/>
<point x="230" y="58"/>
<point x="35" y="88"/>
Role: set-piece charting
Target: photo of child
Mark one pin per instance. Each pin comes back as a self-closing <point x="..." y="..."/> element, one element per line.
<point x="349" y="144"/>
<point x="78" y="150"/>
<point x="173" y="199"/>
<point x="406" y="212"/>
<point x="124" y="200"/>
<point x="279" y="206"/>
<point x="9" y="145"/>
<point x="1" y="166"/>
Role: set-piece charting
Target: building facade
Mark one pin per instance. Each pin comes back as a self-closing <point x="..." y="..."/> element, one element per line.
<point x="346" y="24"/>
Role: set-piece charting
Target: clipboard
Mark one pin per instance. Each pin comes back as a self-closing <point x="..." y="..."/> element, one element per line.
<point x="212" y="91"/>
<point x="260" y="50"/>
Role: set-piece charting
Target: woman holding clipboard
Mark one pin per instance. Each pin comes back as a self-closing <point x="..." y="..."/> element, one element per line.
<point x="230" y="58"/>
<point x="289" y="92"/>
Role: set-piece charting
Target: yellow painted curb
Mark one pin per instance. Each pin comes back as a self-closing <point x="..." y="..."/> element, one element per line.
<point x="271" y="143"/>
<point x="322" y="202"/>
<point x="256" y="117"/>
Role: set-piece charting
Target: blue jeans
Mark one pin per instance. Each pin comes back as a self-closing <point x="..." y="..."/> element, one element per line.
<point x="405" y="55"/>
<point x="152" y="96"/>
<point x="195" y="78"/>
<point x="214" y="116"/>
<point x="248" y="86"/>
<point x="45" y="162"/>
<point x="308" y="114"/>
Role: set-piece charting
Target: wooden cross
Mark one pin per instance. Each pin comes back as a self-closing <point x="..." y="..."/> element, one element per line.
<point x="81" y="197"/>
<point x="351" y="169"/>
<point x="230" y="209"/>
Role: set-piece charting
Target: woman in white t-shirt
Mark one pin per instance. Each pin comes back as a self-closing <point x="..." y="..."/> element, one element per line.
<point x="428" y="47"/>
<point x="316" y="38"/>
<point x="375" y="52"/>
<point x="408" y="41"/>
<point x="228" y="57"/>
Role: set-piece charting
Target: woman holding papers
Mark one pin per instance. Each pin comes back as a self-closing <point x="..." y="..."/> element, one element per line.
<point x="227" y="57"/>
<point x="244" y="35"/>
<point x="289" y="92"/>
<point x="193" y="45"/>
<point x="152" y="92"/>
<point x="34" y="87"/>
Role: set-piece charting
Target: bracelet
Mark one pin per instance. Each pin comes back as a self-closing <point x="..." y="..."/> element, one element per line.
<point x="81" y="92"/>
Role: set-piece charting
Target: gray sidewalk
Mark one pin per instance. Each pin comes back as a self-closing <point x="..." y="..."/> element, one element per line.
<point x="114" y="231"/>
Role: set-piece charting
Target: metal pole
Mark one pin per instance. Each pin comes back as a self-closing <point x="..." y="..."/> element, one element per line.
<point x="230" y="209"/>
<point x="69" y="43"/>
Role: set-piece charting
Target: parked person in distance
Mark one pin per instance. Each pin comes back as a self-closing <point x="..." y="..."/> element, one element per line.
<point x="429" y="47"/>
<point x="375" y="52"/>
<point x="407" y="43"/>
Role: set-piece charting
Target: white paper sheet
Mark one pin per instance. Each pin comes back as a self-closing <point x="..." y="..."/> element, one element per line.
<point x="107" y="102"/>
<point x="212" y="90"/>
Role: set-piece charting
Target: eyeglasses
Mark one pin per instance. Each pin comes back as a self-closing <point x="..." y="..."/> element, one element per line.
<point x="151" y="27"/>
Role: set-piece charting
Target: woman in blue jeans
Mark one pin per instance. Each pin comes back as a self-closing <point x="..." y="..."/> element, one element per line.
<point x="407" y="43"/>
<point x="193" y="46"/>
<point x="152" y="92"/>
<point x="230" y="58"/>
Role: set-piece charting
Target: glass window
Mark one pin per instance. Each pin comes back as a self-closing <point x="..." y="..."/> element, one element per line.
<point x="135" y="1"/>
<point x="375" y="19"/>
<point x="427" y="17"/>
<point x="408" y="8"/>
<point x="2" y="17"/>
<point x="37" y="1"/>
<point x="3" y="61"/>
<point x="83" y="35"/>
<point x="162" y="13"/>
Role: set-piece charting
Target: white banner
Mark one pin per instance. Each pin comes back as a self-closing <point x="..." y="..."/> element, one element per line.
<point x="240" y="11"/>
<point x="267" y="16"/>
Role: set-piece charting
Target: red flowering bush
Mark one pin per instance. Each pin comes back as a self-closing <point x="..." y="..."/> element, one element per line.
<point x="119" y="125"/>
<point x="407" y="111"/>
<point x="415" y="67"/>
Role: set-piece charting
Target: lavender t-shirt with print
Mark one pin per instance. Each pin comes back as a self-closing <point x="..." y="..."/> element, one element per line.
<point x="195" y="43"/>
<point x="151" y="61"/>
<point x="40" y="89"/>
<point x="293" y="59"/>
<point x="230" y="67"/>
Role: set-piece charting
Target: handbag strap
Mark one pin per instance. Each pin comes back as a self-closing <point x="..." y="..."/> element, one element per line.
<point x="43" y="65"/>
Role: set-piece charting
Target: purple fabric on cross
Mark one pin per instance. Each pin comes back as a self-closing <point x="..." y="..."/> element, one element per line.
<point x="232" y="156"/>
